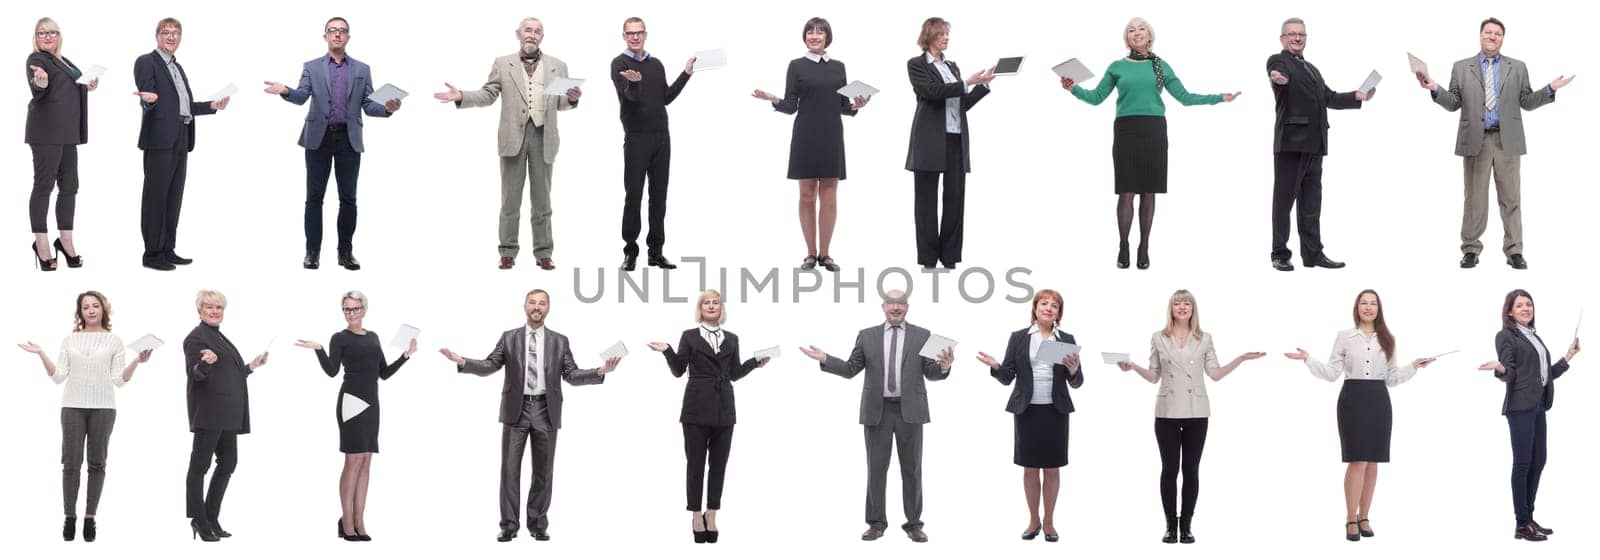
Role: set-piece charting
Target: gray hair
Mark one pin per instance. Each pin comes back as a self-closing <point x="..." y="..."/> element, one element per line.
<point x="212" y="297"/>
<point x="355" y="295"/>
<point x="528" y="19"/>
<point x="1289" y="22"/>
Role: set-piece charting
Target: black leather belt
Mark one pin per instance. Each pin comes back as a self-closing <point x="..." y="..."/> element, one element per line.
<point x="895" y="400"/>
<point x="533" y="397"/>
<point x="341" y="127"/>
<point x="1495" y="128"/>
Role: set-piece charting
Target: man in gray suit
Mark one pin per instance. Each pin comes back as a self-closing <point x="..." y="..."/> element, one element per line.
<point x="894" y="406"/>
<point x="528" y="139"/>
<point x="535" y="360"/>
<point x="1490" y="138"/>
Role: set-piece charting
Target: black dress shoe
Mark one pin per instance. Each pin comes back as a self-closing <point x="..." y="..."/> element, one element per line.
<point x="1517" y="262"/>
<point x="629" y="261"/>
<point x="89" y="529"/>
<point x="313" y="260"/>
<point x="220" y="532"/>
<point x="202" y="530"/>
<point x="175" y="259"/>
<point x="69" y="528"/>
<point x="159" y="265"/>
<point x="542" y="535"/>
<point x="1282" y="265"/>
<point x="348" y="261"/>
<point x="1366" y="532"/>
<point x="1530" y="532"/>
<point x="1355" y="536"/>
<point x="1322" y="261"/>
<point x="1536" y="525"/>
<point x="1122" y="255"/>
<point x="1143" y="261"/>
<point x="1030" y="535"/>
<point x="506" y="535"/>
<point x="1184" y="536"/>
<point x="660" y="262"/>
<point x="1469" y="260"/>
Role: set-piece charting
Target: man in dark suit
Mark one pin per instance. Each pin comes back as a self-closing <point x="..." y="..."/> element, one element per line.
<point x="894" y="406"/>
<point x="340" y="89"/>
<point x="535" y="360"/>
<point x="1299" y="140"/>
<point x="643" y="93"/>
<point x="166" y="134"/>
<point x="219" y="410"/>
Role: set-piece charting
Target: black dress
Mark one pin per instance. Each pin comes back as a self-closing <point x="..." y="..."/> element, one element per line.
<point x="816" y="149"/>
<point x="361" y="355"/>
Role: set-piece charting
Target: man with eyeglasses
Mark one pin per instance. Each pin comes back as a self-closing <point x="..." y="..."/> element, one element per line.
<point x="1490" y="140"/>
<point x="340" y="89"/>
<point x="528" y="139"/>
<point x="643" y="93"/>
<point x="1299" y="141"/>
<point x="166" y="134"/>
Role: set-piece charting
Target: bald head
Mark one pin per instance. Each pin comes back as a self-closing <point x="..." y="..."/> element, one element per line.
<point x="895" y="307"/>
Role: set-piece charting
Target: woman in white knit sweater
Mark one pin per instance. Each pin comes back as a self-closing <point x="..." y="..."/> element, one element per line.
<point x="91" y="364"/>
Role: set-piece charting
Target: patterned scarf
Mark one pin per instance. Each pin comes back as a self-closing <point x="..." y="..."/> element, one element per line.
<point x="1161" y="77"/>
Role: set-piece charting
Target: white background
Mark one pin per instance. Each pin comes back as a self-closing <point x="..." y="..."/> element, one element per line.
<point x="1039" y="197"/>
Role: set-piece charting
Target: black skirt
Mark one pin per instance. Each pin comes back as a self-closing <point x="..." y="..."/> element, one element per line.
<point x="1365" y="421"/>
<point x="1139" y="154"/>
<point x="1041" y="437"/>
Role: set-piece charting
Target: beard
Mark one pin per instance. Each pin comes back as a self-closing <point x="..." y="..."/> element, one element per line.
<point x="529" y="48"/>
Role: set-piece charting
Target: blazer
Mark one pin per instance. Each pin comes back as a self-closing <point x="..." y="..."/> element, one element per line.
<point x="507" y="74"/>
<point x="1466" y="93"/>
<point x="1182" y="373"/>
<point x="1017" y="362"/>
<point x="58" y="112"/>
<point x="708" y="397"/>
<point x="315" y="85"/>
<point x="510" y="353"/>
<point x="1524" y="389"/>
<point x="868" y="355"/>
<point x="218" y="395"/>
<point x="1302" y="106"/>
<point x="158" y="126"/>
<point x="927" y="149"/>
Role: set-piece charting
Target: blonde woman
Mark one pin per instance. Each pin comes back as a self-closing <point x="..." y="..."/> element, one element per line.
<point x="710" y="354"/>
<point x="58" y="121"/>
<point x="219" y="412"/>
<point x="91" y="365"/>
<point x="1181" y="357"/>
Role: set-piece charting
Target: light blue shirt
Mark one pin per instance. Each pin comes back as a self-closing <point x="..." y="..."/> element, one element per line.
<point x="1490" y="66"/>
<point x="952" y="105"/>
<point x="185" y="109"/>
<point x="643" y="55"/>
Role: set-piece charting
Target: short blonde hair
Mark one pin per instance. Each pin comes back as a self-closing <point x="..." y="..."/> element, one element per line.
<point x="47" y="24"/>
<point x="1194" y="315"/>
<point x="355" y="295"/>
<point x="212" y="297"/>
<point x="708" y="294"/>
<point x="1151" y="29"/>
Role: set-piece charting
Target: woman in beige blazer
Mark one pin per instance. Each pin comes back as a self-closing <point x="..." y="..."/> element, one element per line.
<point x="1181" y="356"/>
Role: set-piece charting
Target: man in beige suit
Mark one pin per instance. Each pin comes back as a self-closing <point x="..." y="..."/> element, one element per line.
<point x="1491" y="90"/>
<point x="529" y="137"/>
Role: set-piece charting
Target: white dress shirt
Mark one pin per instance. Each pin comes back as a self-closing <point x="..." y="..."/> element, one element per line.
<point x="90" y="365"/>
<point x="952" y="105"/>
<point x="1044" y="373"/>
<point x="533" y="378"/>
<point x="1357" y="356"/>
<point x="713" y="336"/>
<point x="893" y="369"/>
<point x="1544" y="354"/>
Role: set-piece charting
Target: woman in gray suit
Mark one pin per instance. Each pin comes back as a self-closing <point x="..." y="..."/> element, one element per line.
<point x="1040" y="405"/>
<point x="1524" y="365"/>
<point x="1181" y="357"/>
<point x="58" y="121"/>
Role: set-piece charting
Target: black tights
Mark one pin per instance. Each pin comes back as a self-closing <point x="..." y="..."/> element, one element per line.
<point x="1175" y="437"/>
<point x="1147" y="216"/>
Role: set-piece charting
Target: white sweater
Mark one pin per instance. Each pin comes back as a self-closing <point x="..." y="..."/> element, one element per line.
<point x="91" y="364"/>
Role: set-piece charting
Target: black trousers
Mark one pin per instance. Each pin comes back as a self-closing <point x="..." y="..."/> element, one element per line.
<point x="208" y="443"/>
<point x="1297" y="179"/>
<point x="699" y="442"/>
<point x="334" y="157"/>
<point x="1527" y="460"/>
<point x="54" y="165"/>
<point x="939" y="239"/>
<point x="164" y="174"/>
<point x="1181" y="441"/>
<point x="645" y="156"/>
<point x="80" y="428"/>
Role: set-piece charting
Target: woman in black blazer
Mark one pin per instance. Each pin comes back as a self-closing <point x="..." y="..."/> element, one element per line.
<point x="1041" y="405"/>
<point x="218" y="397"/>
<point x="58" y="121"/>
<point x="1525" y="367"/>
<point x="711" y="356"/>
<point x="942" y="102"/>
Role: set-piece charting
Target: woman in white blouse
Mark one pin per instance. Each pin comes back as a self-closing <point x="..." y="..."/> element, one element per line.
<point x="91" y="364"/>
<point x="1181" y="356"/>
<point x="1365" y="357"/>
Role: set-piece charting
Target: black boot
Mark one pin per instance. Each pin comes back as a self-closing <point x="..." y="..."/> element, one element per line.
<point x="1184" y="536"/>
<point x="69" y="528"/>
<point x="88" y="529"/>
<point x="1171" y="536"/>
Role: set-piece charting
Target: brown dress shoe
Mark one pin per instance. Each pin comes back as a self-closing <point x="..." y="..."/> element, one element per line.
<point x="917" y="535"/>
<point x="507" y="262"/>
<point x="872" y="534"/>
<point x="546" y="263"/>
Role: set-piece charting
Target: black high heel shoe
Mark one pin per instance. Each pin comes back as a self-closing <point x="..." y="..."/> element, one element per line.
<point x="711" y="536"/>
<point x="1144" y="257"/>
<point x="1349" y="536"/>
<point x="73" y="261"/>
<point x="45" y="265"/>
<point x="201" y="530"/>
<point x="1122" y="255"/>
<point x="69" y="528"/>
<point x="699" y="536"/>
<point x="88" y="529"/>
<point x="342" y="535"/>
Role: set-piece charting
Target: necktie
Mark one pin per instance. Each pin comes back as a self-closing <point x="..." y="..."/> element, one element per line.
<point x="1491" y="98"/>
<point x="533" y="358"/>
<point x="892" y="368"/>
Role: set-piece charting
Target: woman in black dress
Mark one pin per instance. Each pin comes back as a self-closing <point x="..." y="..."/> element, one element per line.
<point x="360" y="353"/>
<point x="816" y="149"/>
<point x="710" y="354"/>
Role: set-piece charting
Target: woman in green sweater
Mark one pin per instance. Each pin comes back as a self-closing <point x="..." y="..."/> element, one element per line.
<point x="1139" y="148"/>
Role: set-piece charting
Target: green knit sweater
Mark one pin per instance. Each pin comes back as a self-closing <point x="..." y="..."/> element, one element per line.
<point x="1135" y="82"/>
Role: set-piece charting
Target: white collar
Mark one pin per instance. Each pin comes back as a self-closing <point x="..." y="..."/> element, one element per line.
<point x="928" y="56"/>
<point x="814" y="57"/>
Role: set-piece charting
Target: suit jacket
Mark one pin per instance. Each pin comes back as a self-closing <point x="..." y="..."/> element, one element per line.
<point x="1182" y="373"/>
<point x="1466" y="93"/>
<point x="508" y="75"/>
<point x="316" y="87"/>
<point x="158" y="126"/>
<point x="1302" y="106"/>
<point x="58" y="112"/>
<point x="868" y="355"/>
<point x="511" y="353"/>
<point x="1017" y="363"/>
<point x="708" y="397"/>
<point x="218" y="394"/>
<point x="1524" y="390"/>
<point x="927" y="126"/>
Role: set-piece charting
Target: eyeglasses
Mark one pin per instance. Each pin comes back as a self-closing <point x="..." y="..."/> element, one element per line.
<point x="47" y="34"/>
<point x="1295" y="35"/>
<point x="634" y="33"/>
<point x="170" y="34"/>
<point x="339" y="31"/>
<point x="352" y="310"/>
